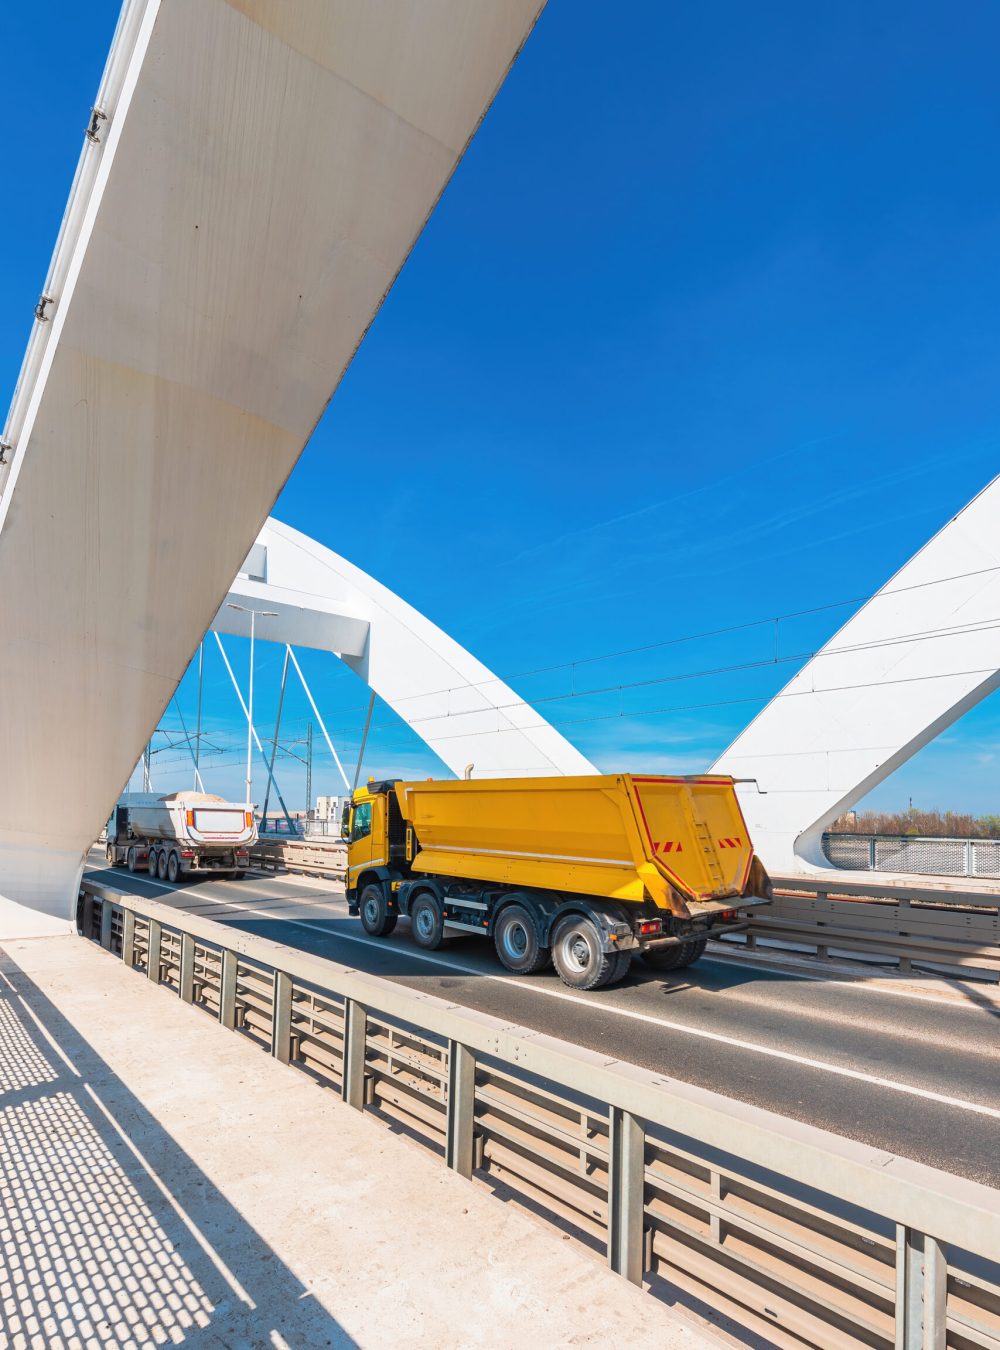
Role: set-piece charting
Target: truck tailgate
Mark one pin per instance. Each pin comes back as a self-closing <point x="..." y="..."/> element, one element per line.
<point x="694" y="833"/>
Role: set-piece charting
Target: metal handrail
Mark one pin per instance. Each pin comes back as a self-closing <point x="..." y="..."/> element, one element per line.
<point x="929" y="1211"/>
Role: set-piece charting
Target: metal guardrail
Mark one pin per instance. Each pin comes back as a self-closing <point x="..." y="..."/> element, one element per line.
<point x="909" y="853"/>
<point x="803" y="1237"/>
<point x="953" y="928"/>
<point x="318" y="859"/>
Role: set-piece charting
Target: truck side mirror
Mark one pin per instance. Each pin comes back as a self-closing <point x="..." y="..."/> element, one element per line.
<point x="345" y="822"/>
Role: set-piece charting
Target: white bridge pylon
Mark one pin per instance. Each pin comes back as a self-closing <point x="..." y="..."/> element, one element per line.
<point x="454" y="704"/>
<point x="920" y="653"/>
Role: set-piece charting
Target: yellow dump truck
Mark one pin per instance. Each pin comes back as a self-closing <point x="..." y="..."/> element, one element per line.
<point x="586" y="872"/>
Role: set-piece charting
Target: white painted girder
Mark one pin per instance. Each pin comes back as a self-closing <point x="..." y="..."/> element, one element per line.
<point x="458" y="707"/>
<point x="261" y="175"/>
<point x="923" y="651"/>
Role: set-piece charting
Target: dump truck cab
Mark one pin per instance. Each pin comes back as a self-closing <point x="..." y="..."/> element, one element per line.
<point x="587" y="872"/>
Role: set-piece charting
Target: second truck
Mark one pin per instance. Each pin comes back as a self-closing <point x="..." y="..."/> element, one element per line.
<point x="587" y="872"/>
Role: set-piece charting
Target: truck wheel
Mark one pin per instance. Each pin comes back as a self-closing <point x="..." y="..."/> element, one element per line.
<point x="623" y="961"/>
<point x="131" y="860"/>
<point x="675" y="958"/>
<point x="109" y="854"/>
<point x="426" y="922"/>
<point x="173" y="868"/>
<point x="376" y="917"/>
<point x="152" y="862"/>
<point x="161" y="864"/>
<point x="692" y="950"/>
<point x="517" y="944"/>
<point x="239" y="875"/>
<point x="577" y="954"/>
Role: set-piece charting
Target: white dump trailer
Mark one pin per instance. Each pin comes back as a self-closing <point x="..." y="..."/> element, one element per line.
<point x="179" y="833"/>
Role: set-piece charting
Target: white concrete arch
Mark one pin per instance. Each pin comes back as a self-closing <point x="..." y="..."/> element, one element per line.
<point x="458" y="707"/>
<point x="256" y="175"/>
<point x="922" y="651"/>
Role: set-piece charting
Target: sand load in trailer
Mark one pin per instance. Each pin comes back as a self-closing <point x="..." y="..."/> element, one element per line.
<point x="585" y="870"/>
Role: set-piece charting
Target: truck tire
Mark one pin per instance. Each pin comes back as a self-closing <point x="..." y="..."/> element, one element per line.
<point x="173" y="867"/>
<point x="679" y="957"/>
<point x="623" y="964"/>
<point x="131" y="860"/>
<point x="109" y="854"/>
<point x="577" y="954"/>
<point x="239" y="875"/>
<point x="426" y="922"/>
<point x="516" y="939"/>
<point x="377" y="919"/>
<point x="152" y="862"/>
<point x="161" y="864"/>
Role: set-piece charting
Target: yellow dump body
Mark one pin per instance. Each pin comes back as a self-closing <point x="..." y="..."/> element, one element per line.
<point x="618" y="835"/>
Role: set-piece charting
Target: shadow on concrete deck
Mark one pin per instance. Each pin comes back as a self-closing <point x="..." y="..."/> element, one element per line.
<point x="110" y="1234"/>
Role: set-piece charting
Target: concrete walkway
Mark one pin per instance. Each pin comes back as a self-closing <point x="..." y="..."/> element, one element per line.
<point x="164" y="1182"/>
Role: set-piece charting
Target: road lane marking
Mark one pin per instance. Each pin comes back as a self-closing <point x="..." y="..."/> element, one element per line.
<point x="738" y="962"/>
<point x="752" y="1047"/>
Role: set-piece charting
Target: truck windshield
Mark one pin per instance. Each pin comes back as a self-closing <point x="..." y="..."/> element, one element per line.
<point x="362" y="823"/>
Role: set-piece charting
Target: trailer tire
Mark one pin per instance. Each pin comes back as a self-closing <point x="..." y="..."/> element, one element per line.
<point x="376" y="917"/>
<point x="577" y="954"/>
<point x="161" y="864"/>
<point x="173" y="867"/>
<point x="131" y="860"/>
<point x="238" y="875"/>
<point x="519" y="948"/>
<point x="152" y="862"/>
<point x="426" y="922"/>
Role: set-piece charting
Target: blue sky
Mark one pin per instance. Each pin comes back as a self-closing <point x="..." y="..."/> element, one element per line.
<point x="703" y="331"/>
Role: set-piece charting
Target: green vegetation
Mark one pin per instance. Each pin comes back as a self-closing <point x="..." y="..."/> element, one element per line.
<point x="929" y="824"/>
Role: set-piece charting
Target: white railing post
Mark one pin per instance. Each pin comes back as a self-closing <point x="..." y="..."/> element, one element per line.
<point x="921" y="1291"/>
<point x="355" y="1045"/>
<point x="461" y="1108"/>
<point x="185" y="982"/>
<point x="281" y="1017"/>
<point x="626" y="1193"/>
<point x="155" y="938"/>
<point x="227" y="990"/>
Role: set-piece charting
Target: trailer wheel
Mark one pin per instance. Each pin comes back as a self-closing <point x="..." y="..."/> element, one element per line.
<point x="161" y="864"/>
<point x="173" y="867"/>
<point x="426" y="922"/>
<point x="131" y="861"/>
<point x="152" y="862"/>
<point x="239" y="875"/>
<point x="376" y="917"/>
<point x="516" y="939"/>
<point x="577" y="954"/>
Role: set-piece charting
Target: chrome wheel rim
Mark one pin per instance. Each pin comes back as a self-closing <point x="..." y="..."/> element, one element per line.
<point x="515" y="940"/>
<point x="425" y="921"/>
<point x="576" y="952"/>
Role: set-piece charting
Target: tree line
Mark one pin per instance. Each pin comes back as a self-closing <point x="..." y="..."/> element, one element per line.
<point x="933" y="824"/>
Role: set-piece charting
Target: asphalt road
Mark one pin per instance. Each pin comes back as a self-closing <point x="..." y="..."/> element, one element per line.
<point x="913" y="1072"/>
